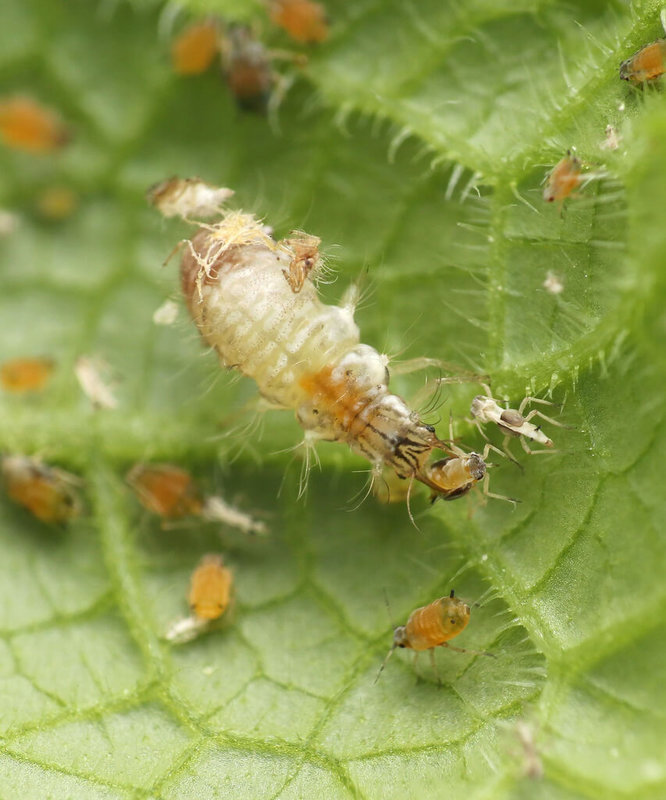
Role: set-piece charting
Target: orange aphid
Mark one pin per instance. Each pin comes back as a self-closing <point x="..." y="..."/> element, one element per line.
<point x="564" y="179"/>
<point x="27" y="125"/>
<point x="25" y="374"/>
<point x="303" y="20"/>
<point x="165" y="489"/>
<point x="433" y="626"/>
<point x="647" y="64"/>
<point x="210" y="588"/>
<point x="45" y="491"/>
<point x="194" y="50"/>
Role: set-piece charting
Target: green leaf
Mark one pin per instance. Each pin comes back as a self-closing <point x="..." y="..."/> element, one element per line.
<point x="414" y="143"/>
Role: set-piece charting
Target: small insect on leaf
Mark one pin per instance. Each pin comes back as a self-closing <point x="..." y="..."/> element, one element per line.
<point x="563" y="180"/>
<point x="27" y="125"/>
<point x="194" y="50"/>
<point x="21" y="375"/>
<point x="210" y="588"/>
<point x="433" y="626"/>
<point x="165" y="490"/>
<point x="56" y="203"/>
<point x="247" y="69"/>
<point x="647" y="64"/>
<point x="47" y="492"/>
<point x="303" y="251"/>
<point x="89" y="373"/>
<point x="304" y="20"/>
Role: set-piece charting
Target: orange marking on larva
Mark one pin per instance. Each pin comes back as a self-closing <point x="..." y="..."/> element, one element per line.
<point x="304" y="20"/>
<point x="27" y="125"/>
<point x="645" y="65"/>
<point x="25" y="374"/>
<point x="338" y="398"/>
<point x="194" y="50"/>
<point x="210" y="588"/>
<point x="165" y="490"/>
<point x="48" y="493"/>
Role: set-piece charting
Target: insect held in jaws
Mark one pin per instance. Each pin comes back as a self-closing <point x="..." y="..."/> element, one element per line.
<point x="255" y="302"/>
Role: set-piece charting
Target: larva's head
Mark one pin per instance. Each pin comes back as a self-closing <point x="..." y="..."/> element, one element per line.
<point x="454" y="614"/>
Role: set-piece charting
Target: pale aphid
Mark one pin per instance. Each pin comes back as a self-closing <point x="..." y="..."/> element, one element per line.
<point x="22" y="375"/>
<point x="303" y="355"/>
<point x="433" y="626"/>
<point x="209" y="596"/>
<point x="194" y="49"/>
<point x="27" y="125"/>
<point x="187" y="198"/>
<point x="511" y="422"/>
<point x="166" y="314"/>
<point x="564" y="178"/>
<point x="49" y="493"/>
<point x="304" y="20"/>
<point x="90" y="375"/>
<point x="215" y="509"/>
<point x="554" y="283"/>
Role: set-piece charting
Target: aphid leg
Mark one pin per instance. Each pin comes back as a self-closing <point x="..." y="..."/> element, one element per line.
<point x="433" y="664"/>
<point x="470" y="652"/>
<point x="529" y="451"/>
<point x="550" y="420"/>
<point x="487" y="493"/>
<point x="529" y="400"/>
<point x="507" y="452"/>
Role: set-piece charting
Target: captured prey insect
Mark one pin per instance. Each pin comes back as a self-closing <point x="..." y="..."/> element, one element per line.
<point x="512" y="422"/>
<point x="210" y="595"/>
<point x="262" y="315"/>
<point x="433" y="626"/>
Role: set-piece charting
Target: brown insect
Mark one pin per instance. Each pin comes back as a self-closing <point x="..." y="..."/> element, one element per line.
<point x="303" y="250"/>
<point x="247" y="68"/>
<point x="210" y="588"/>
<point x="647" y="64"/>
<point x="564" y="179"/>
<point x="27" y="125"/>
<point x="304" y="20"/>
<point x="47" y="492"/>
<point x="433" y="626"/>
<point x="165" y="489"/>
<point x="25" y="374"/>
<point x="194" y="50"/>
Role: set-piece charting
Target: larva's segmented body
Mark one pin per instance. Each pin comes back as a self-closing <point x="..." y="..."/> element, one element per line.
<point x="254" y="303"/>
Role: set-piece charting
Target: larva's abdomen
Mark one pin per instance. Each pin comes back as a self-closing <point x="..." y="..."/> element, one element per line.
<point x="248" y="312"/>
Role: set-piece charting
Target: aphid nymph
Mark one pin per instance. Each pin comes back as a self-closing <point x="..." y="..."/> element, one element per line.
<point x="433" y="626"/>
<point x="194" y="50"/>
<point x="564" y="178"/>
<point x="511" y="422"/>
<point x="27" y="125"/>
<point x="22" y="375"/>
<point x="647" y="64"/>
<point x="165" y="489"/>
<point x="304" y="20"/>
<point x="210" y="588"/>
<point x="47" y="492"/>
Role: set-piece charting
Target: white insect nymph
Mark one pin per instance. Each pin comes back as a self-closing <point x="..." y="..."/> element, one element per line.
<point x="511" y="421"/>
<point x="254" y="301"/>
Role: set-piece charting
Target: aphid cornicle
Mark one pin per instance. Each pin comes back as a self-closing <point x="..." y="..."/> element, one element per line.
<point x="210" y="588"/>
<point x="47" y="492"/>
<point x="564" y="178"/>
<point x="433" y="626"/>
<point x="647" y="64"/>
<point x="303" y="355"/>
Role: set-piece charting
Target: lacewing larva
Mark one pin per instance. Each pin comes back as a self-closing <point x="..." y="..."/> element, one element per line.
<point x="433" y="626"/>
<point x="49" y="493"/>
<point x="564" y="178"/>
<point x="304" y="20"/>
<point x="511" y="421"/>
<point x="27" y="125"/>
<point x="303" y="355"/>
<point x="21" y="375"/>
<point x="195" y="48"/>
<point x="171" y="493"/>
